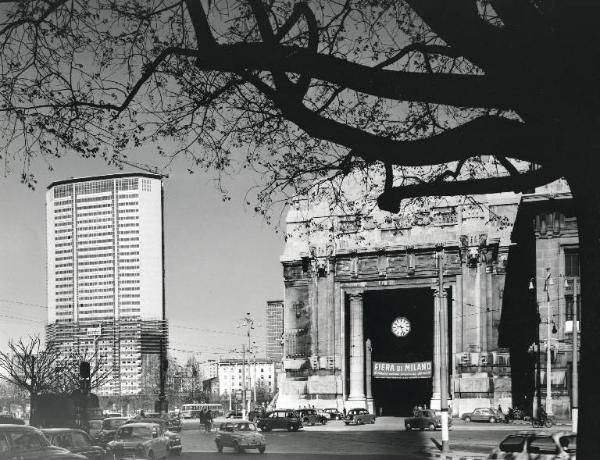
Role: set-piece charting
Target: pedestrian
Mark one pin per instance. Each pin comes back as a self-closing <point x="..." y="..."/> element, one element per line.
<point x="208" y="421"/>
<point x="415" y="410"/>
<point x="201" y="418"/>
<point x="344" y="411"/>
<point x="142" y="413"/>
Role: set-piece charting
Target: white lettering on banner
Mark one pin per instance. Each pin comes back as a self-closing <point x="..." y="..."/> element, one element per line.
<point x="416" y="370"/>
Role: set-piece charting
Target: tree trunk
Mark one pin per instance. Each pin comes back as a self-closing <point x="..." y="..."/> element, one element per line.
<point x="585" y="186"/>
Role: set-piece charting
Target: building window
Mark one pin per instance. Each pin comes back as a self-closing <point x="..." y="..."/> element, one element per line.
<point x="571" y="263"/>
<point x="569" y="308"/>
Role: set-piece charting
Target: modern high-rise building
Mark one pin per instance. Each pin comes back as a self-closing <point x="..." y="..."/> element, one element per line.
<point x="274" y="330"/>
<point x="105" y="274"/>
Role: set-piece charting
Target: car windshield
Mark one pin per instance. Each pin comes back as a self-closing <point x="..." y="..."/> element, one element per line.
<point x="134" y="433"/>
<point x="28" y="441"/>
<point x="245" y="427"/>
<point x="112" y="424"/>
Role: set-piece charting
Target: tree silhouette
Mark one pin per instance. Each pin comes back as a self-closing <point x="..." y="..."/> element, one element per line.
<point x="306" y="93"/>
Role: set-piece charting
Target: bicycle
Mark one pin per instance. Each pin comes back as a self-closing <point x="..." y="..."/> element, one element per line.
<point x="547" y="422"/>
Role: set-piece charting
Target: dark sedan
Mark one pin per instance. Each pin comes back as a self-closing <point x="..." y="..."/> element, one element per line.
<point x="109" y="427"/>
<point x="359" y="417"/>
<point x="28" y="443"/>
<point x="283" y="419"/>
<point x="423" y="419"/>
<point x="77" y="441"/>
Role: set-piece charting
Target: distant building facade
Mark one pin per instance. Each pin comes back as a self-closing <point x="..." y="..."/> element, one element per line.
<point x="209" y="369"/>
<point x="105" y="273"/>
<point x="260" y="374"/>
<point x="274" y="330"/>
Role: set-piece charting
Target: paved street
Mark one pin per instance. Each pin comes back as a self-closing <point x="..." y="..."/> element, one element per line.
<point x="385" y="438"/>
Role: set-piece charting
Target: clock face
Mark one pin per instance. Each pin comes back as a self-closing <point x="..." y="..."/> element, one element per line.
<point x="401" y="326"/>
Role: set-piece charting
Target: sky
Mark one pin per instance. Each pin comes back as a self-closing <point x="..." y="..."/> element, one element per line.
<point x="221" y="259"/>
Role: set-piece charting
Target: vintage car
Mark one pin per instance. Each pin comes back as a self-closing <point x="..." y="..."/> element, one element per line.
<point x="537" y="445"/>
<point x="333" y="413"/>
<point x="359" y="417"/>
<point x="311" y="417"/>
<point x="284" y="419"/>
<point x="234" y="414"/>
<point x="28" y="443"/>
<point x="426" y="418"/>
<point x="174" y="445"/>
<point x="109" y="427"/>
<point x="240" y="435"/>
<point x="77" y="441"/>
<point x="139" y="440"/>
<point x="483" y="414"/>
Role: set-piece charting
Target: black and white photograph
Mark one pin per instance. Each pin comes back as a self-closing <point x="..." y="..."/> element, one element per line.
<point x="299" y="229"/>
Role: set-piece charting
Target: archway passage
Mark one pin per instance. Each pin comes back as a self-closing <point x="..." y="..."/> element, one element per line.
<point x="399" y="396"/>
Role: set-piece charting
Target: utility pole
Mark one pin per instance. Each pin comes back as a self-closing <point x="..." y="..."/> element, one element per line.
<point x="575" y="371"/>
<point x="443" y="320"/>
<point x="244" y="381"/>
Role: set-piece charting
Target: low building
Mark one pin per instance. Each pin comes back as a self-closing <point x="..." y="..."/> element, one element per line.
<point x="259" y="374"/>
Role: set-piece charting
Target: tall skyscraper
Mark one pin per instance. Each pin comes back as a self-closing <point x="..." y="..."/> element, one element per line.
<point x="105" y="274"/>
<point x="274" y="330"/>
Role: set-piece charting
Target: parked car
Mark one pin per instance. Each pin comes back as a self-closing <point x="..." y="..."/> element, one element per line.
<point x="109" y="427"/>
<point x="77" y="441"/>
<point x="233" y="414"/>
<point x="174" y="445"/>
<point x="483" y="414"/>
<point x="359" y="417"/>
<point x="283" y="419"/>
<point x="94" y="428"/>
<point x="139" y="440"/>
<point x="28" y="443"/>
<point x="334" y="414"/>
<point x="8" y="419"/>
<point x="426" y="418"/>
<point x="112" y="415"/>
<point x="536" y="445"/>
<point x="311" y="417"/>
<point x="240" y="435"/>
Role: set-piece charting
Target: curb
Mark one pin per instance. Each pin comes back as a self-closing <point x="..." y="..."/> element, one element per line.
<point x="523" y="422"/>
<point x="457" y="455"/>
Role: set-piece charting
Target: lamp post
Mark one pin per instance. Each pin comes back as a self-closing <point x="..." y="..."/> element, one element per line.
<point x="548" y="282"/>
<point x="538" y="383"/>
<point x="575" y="371"/>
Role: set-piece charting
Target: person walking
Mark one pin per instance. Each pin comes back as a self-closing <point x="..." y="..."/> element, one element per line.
<point x="208" y="421"/>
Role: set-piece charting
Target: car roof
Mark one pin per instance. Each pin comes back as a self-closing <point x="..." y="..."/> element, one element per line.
<point x="116" y="418"/>
<point x="11" y="427"/>
<point x="57" y="430"/>
<point x="139" y="424"/>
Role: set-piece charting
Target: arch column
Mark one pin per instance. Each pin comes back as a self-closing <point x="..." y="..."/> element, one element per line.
<point x="357" y="349"/>
<point x="369" y="375"/>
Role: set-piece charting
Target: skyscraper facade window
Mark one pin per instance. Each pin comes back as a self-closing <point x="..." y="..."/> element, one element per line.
<point x="105" y="273"/>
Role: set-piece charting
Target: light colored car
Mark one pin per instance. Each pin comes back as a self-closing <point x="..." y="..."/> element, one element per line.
<point x="537" y="445"/>
<point x="139" y="440"/>
<point x="359" y="417"/>
<point x="174" y="445"/>
<point x="240" y="435"/>
<point x="483" y="414"/>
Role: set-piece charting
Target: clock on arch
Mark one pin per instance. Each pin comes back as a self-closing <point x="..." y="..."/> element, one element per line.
<point x="401" y="326"/>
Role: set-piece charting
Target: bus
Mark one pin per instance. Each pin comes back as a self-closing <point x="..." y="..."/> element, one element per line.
<point x="193" y="410"/>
